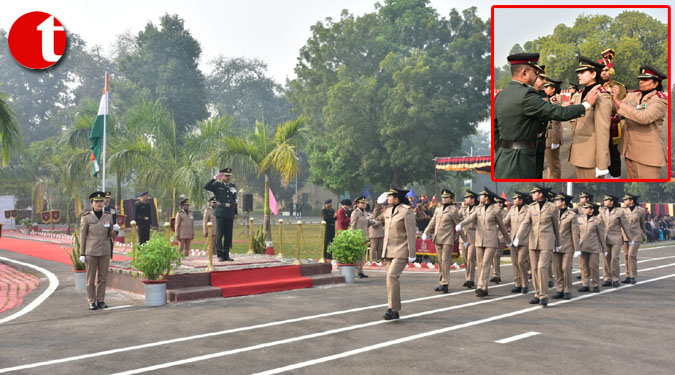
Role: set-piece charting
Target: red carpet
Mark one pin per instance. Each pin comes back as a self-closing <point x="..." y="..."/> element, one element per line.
<point x="42" y="250"/>
<point x="259" y="280"/>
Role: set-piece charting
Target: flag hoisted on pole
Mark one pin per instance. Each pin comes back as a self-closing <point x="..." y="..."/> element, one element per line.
<point x="98" y="135"/>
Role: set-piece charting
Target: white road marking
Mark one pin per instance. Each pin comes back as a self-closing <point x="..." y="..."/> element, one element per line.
<point x="277" y="323"/>
<point x="517" y="337"/>
<point x="53" y="284"/>
<point x="118" y="307"/>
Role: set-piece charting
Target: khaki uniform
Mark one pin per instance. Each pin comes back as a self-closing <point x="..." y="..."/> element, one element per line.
<point x="643" y="146"/>
<point x="590" y="137"/>
<point x="636" y="222"/>
<point x="376" y="234"/>
<point x="399" y="245"/>
<point x="503" y="241"/>
<point x="442" y="229"/>
<point x="554" y="135"/>
<point x="95" y="237"/>
<point x="359" y="221"/>
<point x="185" y="231"/>
<point x="520" y="256"/>
<point x="209" y="217"/>
<point x="488" y="222"/>
<point x="591" y="243"/>
<point x="542" y="224"/>
<point x="563" y="259"/>
<point x="468" y="252"/>
<point x="615" y="225"/>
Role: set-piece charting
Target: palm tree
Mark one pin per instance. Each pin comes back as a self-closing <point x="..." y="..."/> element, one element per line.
<point x="10" y="134"/>
<point x="266" y="152"/>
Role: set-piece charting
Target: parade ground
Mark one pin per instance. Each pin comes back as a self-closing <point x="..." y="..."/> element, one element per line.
<point x="339" y="329"/>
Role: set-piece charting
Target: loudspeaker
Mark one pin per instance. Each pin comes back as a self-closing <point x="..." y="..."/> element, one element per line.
<point x="248" y="202"/>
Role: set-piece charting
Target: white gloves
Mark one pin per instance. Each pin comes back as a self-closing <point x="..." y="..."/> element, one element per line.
<point x="605" y="253"/>
<point x="557" y="249"/>
<point x="382" y="199"/>
<point x="116" y="228"/>
<point x="509" y="245"/>
<point x="424" y="236"/>
<point x="554" y="146"/>
<point x="410" y="260"/>
<point x="631" y="243"/>
<point x="516" y="242"/>
<point x="577" y="253"/>
<point x="601" y="172"/>
<point x="466" y="245"/>
<point x="458" y="227"/>
<point x="82" y="258"/>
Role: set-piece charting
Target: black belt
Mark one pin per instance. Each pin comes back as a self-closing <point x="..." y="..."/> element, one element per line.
<point x="518" y="145"/>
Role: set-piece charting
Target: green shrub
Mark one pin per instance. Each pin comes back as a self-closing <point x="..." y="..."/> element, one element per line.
<point x="348" y="246"/>
<point x="26" y="222"/>
<point x="75" y="253"/>
<point x="259" y="241"/>
<point x="155" y="257"/>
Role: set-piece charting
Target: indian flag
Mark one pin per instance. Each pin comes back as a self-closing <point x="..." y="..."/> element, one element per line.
<point x="96" y="135"/>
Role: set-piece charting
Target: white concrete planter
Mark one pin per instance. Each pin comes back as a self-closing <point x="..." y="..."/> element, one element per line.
<point x="80" y="280"/>
<point x="347" y="270"/>
<point x="155" y="292"/>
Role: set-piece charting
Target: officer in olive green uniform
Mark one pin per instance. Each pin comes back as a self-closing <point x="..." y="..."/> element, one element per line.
<point x="518" y="112"/>
<point x="539" y="85"/>
<point x="328" y="215"/>
<point x="110" y="209"/>
<point x="225" y="211"/>
<point x="615" y="126"/>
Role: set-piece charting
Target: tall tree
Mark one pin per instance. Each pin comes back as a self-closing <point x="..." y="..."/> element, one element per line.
<point x="10" y="134"/>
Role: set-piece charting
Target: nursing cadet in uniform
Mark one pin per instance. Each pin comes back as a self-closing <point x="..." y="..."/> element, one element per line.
<point x="110" y="209"/>
<point x="584" y="197"/>
<point x="542" y="224"/>
<point x="328" y="215"/>
<point x="488" y="221"/>
<point x="589" y="152"/>
<point x="543" y="123"/>
<point x="210" y="217"/>
<point x="518" y="111"/>
<point x="591" y="243"/>
<point x="143" y="217"/>
<point x="468" y="252"/>
<point x="225" y="211"/>
<point x="615" y="127"/>
<point x="520" y="255"/>
<point x="185" y="227"/>
<point x="96" y="231"/>
<point x="399" y="244"/>
<point x="554" y="131"/>
<point x="569" y="242"/>
<point x="441" y="229"/>
<point x="497" y="259"/>
<point x="376" y="234"/>
<point x="643" y="112"/>
<point x="615" y="221"/>
<point x="636" y="221"/>
<point x="359" y="220"/>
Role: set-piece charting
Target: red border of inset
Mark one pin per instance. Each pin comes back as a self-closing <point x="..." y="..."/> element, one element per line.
<point x="492" y="89"/>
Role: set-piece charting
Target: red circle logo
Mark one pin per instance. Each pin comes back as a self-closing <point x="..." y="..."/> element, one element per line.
<point x="37" y="40"/>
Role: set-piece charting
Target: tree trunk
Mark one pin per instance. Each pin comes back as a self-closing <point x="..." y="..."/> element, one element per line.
<point x="67" y="216"/>
<point x="267" y="229"/>
<point x="118" y="191"/>
<point x="173" y="204"/>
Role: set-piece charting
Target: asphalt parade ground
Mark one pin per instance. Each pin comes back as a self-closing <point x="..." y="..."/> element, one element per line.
<point x="340" y="330"/>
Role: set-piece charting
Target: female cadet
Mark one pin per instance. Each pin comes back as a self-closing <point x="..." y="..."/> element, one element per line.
<point x="185" y="231"/>
<point x="591" y="243"/>
<point x="569" y="242"/>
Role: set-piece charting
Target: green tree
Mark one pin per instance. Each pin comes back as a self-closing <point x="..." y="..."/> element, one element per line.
<point x="10" y="134"/>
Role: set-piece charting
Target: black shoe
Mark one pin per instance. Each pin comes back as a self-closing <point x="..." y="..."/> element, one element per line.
<point x="438" y="288"/>
<point x="596" y="290"/>
<point x="102" y="305"/>
<point x="626" y="280"/>
<point x="221" y="259"/>
<point x="525" y="290"/>
<point x="466" y="283"/>
<point x="390" y="315"/>
<point x="544" y="302"/>
<point x="470" y="285"/>
<point x="568" y="296"/>
<point x="579" y="277"/>
<point x="632" y="280"/>
<point x="228" y="259"/>
<point x="584" y="289"/>
<point x="550" y="284"/>
<point x="535" y="301"/>
<point x="616" y="284"/>
<point x="362" y="275"/>
<point x="606" y="284"/>
<point x="517" y="289"/>
<point x="92" y="306"/>
<point x="444" y="288"/>
<point x="529" y="276"/>
<point x="480" y="292"/>
<point x="558" y="295"/>
<point x="496" y="280"/>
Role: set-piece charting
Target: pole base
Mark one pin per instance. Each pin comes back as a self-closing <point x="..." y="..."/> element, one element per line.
<point x="269" y="250"/>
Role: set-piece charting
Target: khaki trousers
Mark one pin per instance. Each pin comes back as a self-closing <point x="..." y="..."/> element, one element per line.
<point x="639" y="170"/>
<point x="484" y="255"/>
<point x="590" y="268"/>
<point x="562" y="263"/>
<point x="395" y="267"/>
<point x="469" y="255"/>
<point x="97" y="273"/>
<point x="520" y="260"/>
<point x="585" y="173"/>
<point x="552" y="158"/>
<point x="610" y="263"/>
<point x="444" y="255"/>
<point x="497" y="260"/>
<point x="630" y="257"/>
<point x="376" y="248"/>
<point x="184" y="245"/>
<point x="540" y="259"/>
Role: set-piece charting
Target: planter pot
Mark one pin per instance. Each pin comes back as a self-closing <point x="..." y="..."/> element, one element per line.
<point x="25" y="231"/>
<point x="80" y="280"/>
<point x="347" y="270"/>
<point x="155" y="292"/>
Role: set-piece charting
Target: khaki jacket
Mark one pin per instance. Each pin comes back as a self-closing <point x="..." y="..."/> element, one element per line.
<point x="376" y="229"/>
<point x="208" y="217"/>
<point x="488" y="221"/>
<point x="502" y="239"/>
<point x="513" y="220"/>
<point x="442" y="225"/>
<point x="185" y="225"/>
<point x="636" y="222"/>
<point x="642" y="140"/>
<point x="591" y="234"/>
<point x="569" y="232"/>
<point x="469" y="229"/>
<point x="554" y="131"/>
<point x="359" y="220"/>
<point x="542" y="225"/>
<point x="590" y="136"/>
<point x="95" y="234"/>
<point x="399" y="231"/>
<point x="615" y="222"/>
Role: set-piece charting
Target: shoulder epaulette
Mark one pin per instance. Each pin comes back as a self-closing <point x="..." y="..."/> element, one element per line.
<point x="634" y="91"/>
<point x="85" y="213"/>
<point x="661" y="95"/>
<point x="603" y="90"/>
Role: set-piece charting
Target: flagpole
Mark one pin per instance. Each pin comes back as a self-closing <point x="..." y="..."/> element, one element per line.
<point x="105" y="131"/>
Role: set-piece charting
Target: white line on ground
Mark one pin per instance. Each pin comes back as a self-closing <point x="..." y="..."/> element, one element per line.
<point x="517" y="337"/>
<point x="118" y="307"/>
<point x="53" y="284"/>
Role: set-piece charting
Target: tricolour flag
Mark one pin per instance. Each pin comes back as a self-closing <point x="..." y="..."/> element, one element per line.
<point x="96" y="135"/>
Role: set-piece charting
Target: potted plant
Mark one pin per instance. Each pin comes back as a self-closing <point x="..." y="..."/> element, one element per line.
<point x="79" y="268"/>
<point x="347" y="248"/>
<point x="26" y="222"/>
<point x="154" y="259"/>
